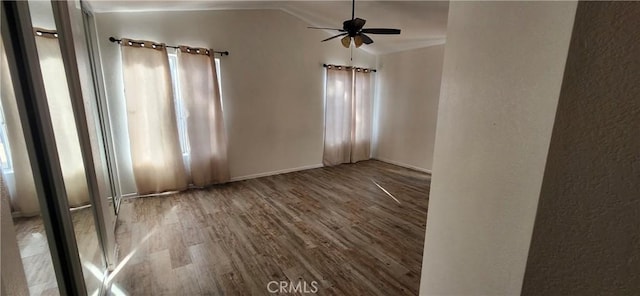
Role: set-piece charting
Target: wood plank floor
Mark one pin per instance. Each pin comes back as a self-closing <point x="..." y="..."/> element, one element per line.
<point x="331" y="225"/>
<point x="36" y="257"/>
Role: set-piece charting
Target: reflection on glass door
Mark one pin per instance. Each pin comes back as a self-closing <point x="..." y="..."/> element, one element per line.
<point x="53" y="220"/>
<point x="64" y="121"/>
<point x="57" y="225"/>
<point x="101" y="113"/>
<point x="24" y="241"/>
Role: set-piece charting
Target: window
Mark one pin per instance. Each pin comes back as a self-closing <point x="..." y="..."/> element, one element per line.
<point x="5" y="156"/>
<point x="181" y="114"/>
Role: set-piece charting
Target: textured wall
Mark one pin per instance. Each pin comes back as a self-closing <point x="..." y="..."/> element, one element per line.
<point x="586" y="237"/>
<point x="407" y="106"/>
<point x="503" y="67"/>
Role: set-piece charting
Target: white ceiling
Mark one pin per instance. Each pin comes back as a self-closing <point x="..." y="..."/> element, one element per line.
<point x="423" y="23"/>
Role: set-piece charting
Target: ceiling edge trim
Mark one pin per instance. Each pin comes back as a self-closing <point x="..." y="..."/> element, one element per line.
<point x="423" y="44"/>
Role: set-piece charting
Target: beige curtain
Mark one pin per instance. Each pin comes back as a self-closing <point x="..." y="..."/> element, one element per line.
<point x="347" y="116"/>
<point x="200" y="94"/>
<point x="337" y="130"/>
<point x="153" y="133"/>
<point x="62" y="119"/>
<point x="23" y="198"/>
<point x="362" y="108"/>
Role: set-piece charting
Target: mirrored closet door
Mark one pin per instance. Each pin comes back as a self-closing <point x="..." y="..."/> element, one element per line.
<point x="57" y="221"/>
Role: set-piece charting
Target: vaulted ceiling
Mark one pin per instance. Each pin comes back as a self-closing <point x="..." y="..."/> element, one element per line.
<point x="423" y="23"/>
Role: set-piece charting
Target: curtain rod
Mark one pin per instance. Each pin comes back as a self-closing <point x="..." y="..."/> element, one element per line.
<point x="222" y="53"/>
<point x="348" y="67"/>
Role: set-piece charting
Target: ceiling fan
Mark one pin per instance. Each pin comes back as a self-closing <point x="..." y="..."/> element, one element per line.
<point x="352" y="29"/>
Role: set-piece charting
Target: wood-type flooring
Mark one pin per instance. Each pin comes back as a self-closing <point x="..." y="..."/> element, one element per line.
<point x="332" y="225"/>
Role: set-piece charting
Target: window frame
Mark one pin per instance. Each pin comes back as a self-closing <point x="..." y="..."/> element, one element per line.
<point x="5" y="166"/>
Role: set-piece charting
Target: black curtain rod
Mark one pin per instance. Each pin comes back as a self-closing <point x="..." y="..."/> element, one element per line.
<point x="222" y="53"/>
<point x="348" y="67"/>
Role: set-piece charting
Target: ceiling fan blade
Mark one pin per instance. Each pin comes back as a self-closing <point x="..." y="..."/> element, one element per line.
<point x="346" y="41"/>
<point x="386" y="31"/>
<point x="325" y="28"/>
<point x="336" y="36"/>
<point x="365" y="39"/>
<point x="358" y="23"/>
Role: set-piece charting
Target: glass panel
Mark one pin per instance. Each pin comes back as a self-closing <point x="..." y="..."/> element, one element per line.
<point x="25" y="250"/>
<point x="100" y="109"/>
<point x="68" y="145"/>
<point x="96" y="127"/>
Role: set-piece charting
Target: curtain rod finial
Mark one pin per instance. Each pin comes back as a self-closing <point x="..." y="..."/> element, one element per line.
<point x="112" y="39"/>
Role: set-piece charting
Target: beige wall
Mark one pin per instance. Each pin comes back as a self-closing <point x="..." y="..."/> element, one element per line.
<point x="586" y="238"/>
<point x="503" y="67"/>
<point x="406" y="108"/>
<point x="272" y="83"/>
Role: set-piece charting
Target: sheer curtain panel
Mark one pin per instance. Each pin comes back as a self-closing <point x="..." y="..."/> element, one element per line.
<point x="63" y="120"/>
<point x="338" y="116"/>
<point x="361" y="140"/>
<point x="153" y="134"/>
<point x="348" y="111"/>
<point x="200" y="94"/>
<point x="24" y="199"/>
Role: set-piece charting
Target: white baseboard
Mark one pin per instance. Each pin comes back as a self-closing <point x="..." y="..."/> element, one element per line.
<point x="18" y="214"/>
<point x="247" y="177"/>
<point x="278" y="172"/>
<point x="129" y="195"/>
<point x="302" y="168"/>
<point x="413" y="167"/>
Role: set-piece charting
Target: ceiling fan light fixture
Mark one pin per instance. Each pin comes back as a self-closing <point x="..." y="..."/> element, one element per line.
<point x="346" y="41"/>
<point x="358" y="40"/>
